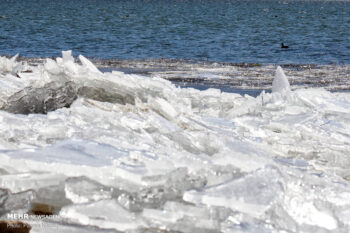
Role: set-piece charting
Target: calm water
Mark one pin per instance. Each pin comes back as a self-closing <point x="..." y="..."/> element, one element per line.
<point x="230" y="31"/>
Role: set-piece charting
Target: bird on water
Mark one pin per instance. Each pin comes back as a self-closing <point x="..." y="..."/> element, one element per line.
<point x="284" y="46"/>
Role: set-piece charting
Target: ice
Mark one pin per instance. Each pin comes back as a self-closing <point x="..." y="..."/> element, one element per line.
<point x="105" y="214"/>
<point x="50" y="199"/>
<point x="67" y="56"/>
<point x="314" y="211"/>
<point x="50" y="97"/>
<point x="280" y="82"/>
<point x="15" y="201"/>
<point x="52" y="67"/>
<point x="88" y="64"/>
<point x="10" y="65"/>
<point x="183" y="218"/>
<point x="42" y="226"/>
<point x="19" y="182"/>
<point x="82" y="190"/>
<point x="252" y="194"/>
<point x="163" y="108"/>
<point x="109" y="151"/>
<point x="307" y="213"/>
<point x="74" y="152"/>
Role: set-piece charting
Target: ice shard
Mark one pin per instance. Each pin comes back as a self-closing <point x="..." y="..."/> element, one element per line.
<point x="280" y="82"/>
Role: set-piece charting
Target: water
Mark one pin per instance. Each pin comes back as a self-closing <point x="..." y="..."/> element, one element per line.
<point x="229" y="31"/>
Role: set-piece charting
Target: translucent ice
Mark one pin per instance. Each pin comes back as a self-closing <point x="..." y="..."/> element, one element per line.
<point x="252" y="194"/>
<point x="105" y="214"/>
<point x="81" y="190"/>
<point x="131" y="153"/>
<point x="15" y="201"/>
<point x="280" y="82"/>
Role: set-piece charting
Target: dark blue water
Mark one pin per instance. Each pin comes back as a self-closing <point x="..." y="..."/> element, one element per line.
<point x="230" y="31"/>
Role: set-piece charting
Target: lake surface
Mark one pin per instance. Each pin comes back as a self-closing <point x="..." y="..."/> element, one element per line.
<point x="227" y="31"/>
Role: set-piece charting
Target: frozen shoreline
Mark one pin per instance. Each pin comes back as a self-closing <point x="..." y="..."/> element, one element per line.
<point x="226" y="75"/>
<point x="135" y="153"/>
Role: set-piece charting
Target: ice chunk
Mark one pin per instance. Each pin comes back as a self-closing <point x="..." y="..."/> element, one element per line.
<point x="105" y="214"/>
<point x="252" y="194"/>
<point x="193" y="211"/>
<point x="25" y="181"/>
<point x="9" y="65"/>
<point x="183" y="218"/>
<point x="15" y="201"/>
<point x="220" y="174"/>
<point x="280" y="82"/>
<point x="50" y="97"/>
<point x="52" y="67"/>
<point x="243" y="155"/>
<point x="67" y="63"/>
<point x="78" y="152"/>
<point x="163" y="107"/>
<point x="105" y="94"/>
<point x="344" y="215"/>
<point x="50" y="199"/>
<point x="67" y="56"/>
<point x="171" y="187"/>
<point x="305" y="212"/>
<point x="311" y="210"/>
<point x="82" y="189"/>
<point x="241" y="223"/>
<point x="88" y="65"/>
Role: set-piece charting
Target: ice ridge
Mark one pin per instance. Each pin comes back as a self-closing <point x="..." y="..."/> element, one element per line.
<point x="138" y="154"/>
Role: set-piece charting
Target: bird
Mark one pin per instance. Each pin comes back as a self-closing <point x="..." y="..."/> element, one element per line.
<point x="284" y="46"/>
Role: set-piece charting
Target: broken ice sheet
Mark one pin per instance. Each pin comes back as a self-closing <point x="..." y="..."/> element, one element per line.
<point x="15" y="201"/>
<point x="325" y="193"/>
<point x="83" y="189"/>
<point x="73" y="151"/>
<point x="105" y="214"/>
<point x="253" y="193"/>
<point x="180" y="152"/>
<point x="30" y="180"/>
<point x="183" y="217"/>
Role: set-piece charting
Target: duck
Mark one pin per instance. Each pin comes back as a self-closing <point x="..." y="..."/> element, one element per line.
<point x="284" y="46"/>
